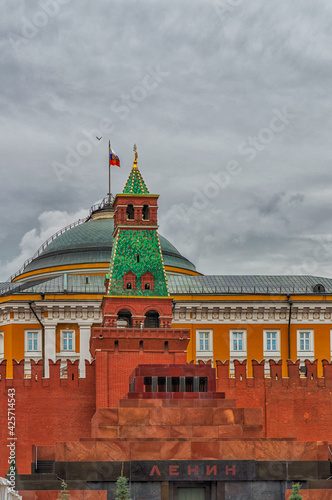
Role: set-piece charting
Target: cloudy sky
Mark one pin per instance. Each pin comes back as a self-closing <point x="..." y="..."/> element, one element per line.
<point x="229" y="102"/>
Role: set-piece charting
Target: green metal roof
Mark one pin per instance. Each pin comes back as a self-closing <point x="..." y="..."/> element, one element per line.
<point x="194" y="285"/>
<point x="135" y="183"/>
<point x="90" y="243"/>
<point x="246" y="284"/>
<point x="91" y="234"/>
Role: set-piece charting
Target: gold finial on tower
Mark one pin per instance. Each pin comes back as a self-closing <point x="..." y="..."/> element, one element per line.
<point x="136" y="155"/>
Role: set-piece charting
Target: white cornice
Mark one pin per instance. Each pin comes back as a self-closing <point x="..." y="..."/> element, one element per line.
<point x="51" y="312"/>
<point x="272" y="312"/>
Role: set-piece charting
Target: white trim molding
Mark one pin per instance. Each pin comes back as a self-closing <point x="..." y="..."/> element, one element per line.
<point x="305" y="344"/>
<point x="237" y="347"/>
<point x="49" y="346"/>
<point x="85" y="334"/>
<point x="2" y="345"/>
<point x="204" y="345"/>
<point x="254" y="312"/>
<point x="271" y="343"/>
<point x="32" y="338"/>
<point x="238" y="343"/>
<point x="67" y="342"/>
<point x="271" y="347"/>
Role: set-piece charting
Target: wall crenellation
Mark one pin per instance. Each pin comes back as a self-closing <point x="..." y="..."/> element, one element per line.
<point x="222" y="368"/>
<point x="72" y="377"/>
<point x="295" y="377"/>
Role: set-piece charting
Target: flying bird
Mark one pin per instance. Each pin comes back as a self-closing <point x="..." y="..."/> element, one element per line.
<point x="99" y="138"/>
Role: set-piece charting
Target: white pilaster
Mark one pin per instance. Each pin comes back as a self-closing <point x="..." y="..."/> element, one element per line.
<point x="49" y="347"/>
<point x="85" y="332"/>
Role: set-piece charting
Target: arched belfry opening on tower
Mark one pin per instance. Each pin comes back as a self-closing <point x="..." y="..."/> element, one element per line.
<point x="146" y="212"/>
<point x="130" y="211"/>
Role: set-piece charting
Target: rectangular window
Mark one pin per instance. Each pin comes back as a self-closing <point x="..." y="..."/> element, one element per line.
<point x="237" y="347"/>
<point x="305" y="343"/>
<point x="204" y="341"/>
<point x="68" y="340"/>
<point x="271" y="345"/>
<point x="32" y="343"/>
<point x="271" y="341"/>
<point x="204" y="345"/>
<point x="238" y="343"/>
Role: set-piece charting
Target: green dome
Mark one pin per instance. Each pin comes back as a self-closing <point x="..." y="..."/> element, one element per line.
<point x="91" y="243"/>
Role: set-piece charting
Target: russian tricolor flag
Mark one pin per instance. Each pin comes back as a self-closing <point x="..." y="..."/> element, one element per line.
<point x="114" y="159"/>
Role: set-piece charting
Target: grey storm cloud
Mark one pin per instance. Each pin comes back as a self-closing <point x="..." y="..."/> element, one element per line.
<point x="228" y="101"/>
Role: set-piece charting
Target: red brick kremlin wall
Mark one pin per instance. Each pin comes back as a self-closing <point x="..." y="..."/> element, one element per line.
<point x="296" y="406"/>
<point x="54" y="409"/>
<point x="46" y="410"/>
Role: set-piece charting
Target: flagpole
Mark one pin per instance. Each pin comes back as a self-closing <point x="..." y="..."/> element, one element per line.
<point x="109" y="171"/>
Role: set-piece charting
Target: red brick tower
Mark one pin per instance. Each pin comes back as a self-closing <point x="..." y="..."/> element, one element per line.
<point x="137" y="307"/>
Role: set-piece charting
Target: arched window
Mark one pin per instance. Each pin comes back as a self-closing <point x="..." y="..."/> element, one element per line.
<point x="130" y="212"/>
<point x="147" y="281"/>
<point x="319" y="288"/>
<point x="124" y="319"/>
<point x="151" y="319"/>
<point x="146" y="212"/>
<point x="129" y="281"/>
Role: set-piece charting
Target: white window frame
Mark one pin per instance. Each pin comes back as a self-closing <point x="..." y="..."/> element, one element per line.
<point x="270" y="353"/>
<point x="204" y="354"/>
<point x="67" y="352"/>
<point x="237" y="353"/>
<point x="34" y="353"/>
<point x="2" y="345"/>
<point x="309" y="353"/>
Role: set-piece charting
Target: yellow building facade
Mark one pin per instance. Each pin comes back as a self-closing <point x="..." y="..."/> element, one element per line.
<point x="47" y="309"/>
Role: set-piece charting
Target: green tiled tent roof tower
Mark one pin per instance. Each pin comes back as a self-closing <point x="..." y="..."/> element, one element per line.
<point x="135" y="183"/>
<point x="137" y="250"/>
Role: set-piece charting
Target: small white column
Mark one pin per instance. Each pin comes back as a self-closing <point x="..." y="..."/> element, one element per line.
<point x="50" y="341"/>
<point x="85" y="332"/>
